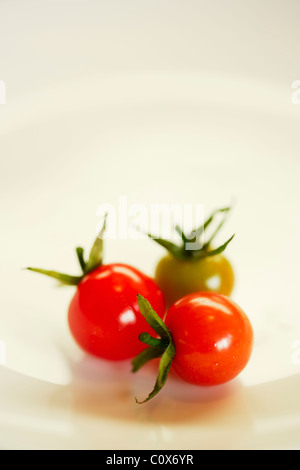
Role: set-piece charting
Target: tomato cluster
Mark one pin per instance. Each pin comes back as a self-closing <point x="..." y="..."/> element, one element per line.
<point x="118" y="312"/>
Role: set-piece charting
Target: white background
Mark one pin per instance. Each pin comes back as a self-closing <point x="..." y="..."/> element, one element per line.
<point x="162" y="102"/>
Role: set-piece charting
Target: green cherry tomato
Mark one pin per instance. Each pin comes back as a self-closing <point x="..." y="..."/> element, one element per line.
<point x="178" y="278"/>
<point x="183" y="270"/>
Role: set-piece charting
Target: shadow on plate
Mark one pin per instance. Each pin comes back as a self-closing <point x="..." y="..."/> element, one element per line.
<point x="108" y="390"/>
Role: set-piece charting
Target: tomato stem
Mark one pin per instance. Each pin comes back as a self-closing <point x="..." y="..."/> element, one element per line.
<point x="96" y="254"/>
<point x="150" y="341"/>
<point x="183" y="251"/>
<point x="163" y="347"/>
<point x="94" y="261"/>
<point x="80" y="256"/>
<point x="64" y="279"/>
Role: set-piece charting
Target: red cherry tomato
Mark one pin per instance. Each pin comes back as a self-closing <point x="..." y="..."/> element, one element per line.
<point x="104" y="316"/>
<point x="206" y="339"/>
<point x="213" y="338"/>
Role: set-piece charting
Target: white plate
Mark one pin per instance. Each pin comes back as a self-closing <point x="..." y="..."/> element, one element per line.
<point x="155" y="137"/>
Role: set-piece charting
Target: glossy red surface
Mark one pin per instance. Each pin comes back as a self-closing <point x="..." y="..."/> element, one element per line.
<point x="104" y="316"/>
<point x="213" y="338"/>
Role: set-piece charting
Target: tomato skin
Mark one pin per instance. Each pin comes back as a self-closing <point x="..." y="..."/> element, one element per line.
<point x="213" y="338"/>
<point x="178" y="278"/>
<point x="104" y="317"/>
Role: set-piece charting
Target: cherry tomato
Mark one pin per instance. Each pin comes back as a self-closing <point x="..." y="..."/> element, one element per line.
<point x="178" y="278"/>
<point x="213" y="338"/>
<point x="206" y="339"/>
<point x="104" y="316"/>
<point x="184" y="270"/>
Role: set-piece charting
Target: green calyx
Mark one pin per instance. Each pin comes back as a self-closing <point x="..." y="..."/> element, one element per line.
<point x="162" y="347"/>
<point x="94" y="260"/>
<point x="192" y="246"/>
